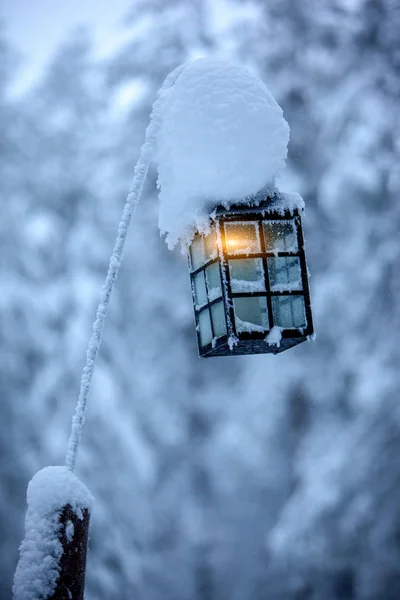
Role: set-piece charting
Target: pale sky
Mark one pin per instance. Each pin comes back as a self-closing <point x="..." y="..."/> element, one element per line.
<point x="36" y="28"/>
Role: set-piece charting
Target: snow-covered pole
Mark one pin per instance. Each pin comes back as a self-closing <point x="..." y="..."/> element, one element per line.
<point x="139" y="178"/>
<point x="52" y="562"/>
<point x="78" y="419"/>
<point x="135" y="192"/>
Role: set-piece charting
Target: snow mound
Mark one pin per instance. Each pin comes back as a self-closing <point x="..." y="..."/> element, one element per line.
<point x="50" y="490"/>
<point x="54" y="487"/>
<point x="222" y="138"/>
<point x="274" y="337"/>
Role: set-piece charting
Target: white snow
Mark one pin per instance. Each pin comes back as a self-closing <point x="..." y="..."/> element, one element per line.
<point x="247" y="326"/>
<point x="292" y="286"/>
<point x="69" y="531"/>
<point x="242" y="285"/>
<point x="54" y="487"/>
<point x="49" y="491"/>
<point x="222" y="139"/>
<point x="232" y="341"/>
<point x="274" y="337"/>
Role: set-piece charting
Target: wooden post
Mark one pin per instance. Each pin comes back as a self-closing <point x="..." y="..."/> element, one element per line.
<point x="73" y="535"/>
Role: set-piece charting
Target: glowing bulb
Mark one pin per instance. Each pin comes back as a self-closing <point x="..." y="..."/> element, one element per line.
<point x="236" y="244"/>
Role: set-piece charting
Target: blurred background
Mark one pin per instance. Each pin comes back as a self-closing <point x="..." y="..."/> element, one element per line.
<point x="245" y="478"/>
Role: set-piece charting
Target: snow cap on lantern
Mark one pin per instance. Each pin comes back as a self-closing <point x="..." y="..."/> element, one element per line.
<point x="222" y="138"/>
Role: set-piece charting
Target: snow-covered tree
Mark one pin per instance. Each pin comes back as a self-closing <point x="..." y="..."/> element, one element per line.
<point x="251" y="477"/>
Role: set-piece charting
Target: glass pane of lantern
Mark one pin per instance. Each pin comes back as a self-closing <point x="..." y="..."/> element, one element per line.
<point x="284" y="273"/>
<point x="213" y="282"/>
<point x="280" y="236"/>
<point x="218" y="319"/>
<point x="242" y="237"/>
<point x="210" y="245"/>
<point x="200" y="289"/>
<point x="197" y="253"/>
<point x="289" y="311"/>
<point x="205" y="327"/>
<point x="251" y="314"/>
<point x="203" y="248"/>
<point x="247" y="275"/>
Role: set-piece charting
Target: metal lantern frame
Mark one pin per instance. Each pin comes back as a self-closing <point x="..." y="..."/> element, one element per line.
<point x="226" y="338"/>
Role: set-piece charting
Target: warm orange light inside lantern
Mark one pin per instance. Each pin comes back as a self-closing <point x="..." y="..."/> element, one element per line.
<point x="236" y="244"/>
<point x="241" y="238"/>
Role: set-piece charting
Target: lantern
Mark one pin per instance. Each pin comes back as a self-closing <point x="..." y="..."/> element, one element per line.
<point x="249" y="281"/>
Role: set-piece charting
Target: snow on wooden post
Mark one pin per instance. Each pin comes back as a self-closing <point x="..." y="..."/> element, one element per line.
<point x="53" y="554"/>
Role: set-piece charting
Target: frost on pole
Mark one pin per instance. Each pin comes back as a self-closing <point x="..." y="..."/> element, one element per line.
<point x="221" y="142"/>
<point x="54" y="495"/>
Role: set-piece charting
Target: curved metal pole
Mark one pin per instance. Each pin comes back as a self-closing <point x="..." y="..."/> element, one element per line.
<point x="139" y="178"/>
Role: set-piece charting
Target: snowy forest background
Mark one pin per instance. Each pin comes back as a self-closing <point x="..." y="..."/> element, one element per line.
<point x="260" y="477"/>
